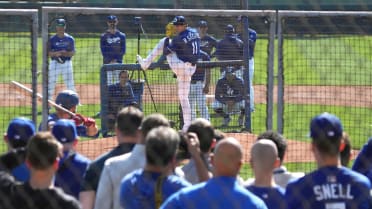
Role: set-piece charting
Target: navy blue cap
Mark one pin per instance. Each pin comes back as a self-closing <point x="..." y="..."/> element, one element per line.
<point x="203" y="23"/>
<point x="20" y="129"/>
<point x="229" y="69"/>
<point x="326" y="126"/>
<point x="179" y="20"/>
<point x="111" y="17"/>
<point x="229" y="29"/>
<point x="67" y="99"/>
<point x="65" y="131"/>
<point x="61" y="22"/>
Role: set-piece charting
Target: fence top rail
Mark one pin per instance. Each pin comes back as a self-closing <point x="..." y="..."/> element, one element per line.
<point x="147" y="11"/>
<point x="295" y="13"/>
<point x="18" y="11"/>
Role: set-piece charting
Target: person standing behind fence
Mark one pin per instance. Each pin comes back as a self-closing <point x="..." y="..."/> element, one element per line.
<point x="128" y="121"/>
<point x="43" y="152"/>
<point x="252" y="37"/>
<point x="151" y="186"/>
<point x="19" y="131"/>
<point x="113" y="47"/>
<point x="223" y="190"/>
<point x="207" y="42"/>
<point x="182" y="55"/>
<point x="331" y="185"/>
<point x="264" y="159"/>
<point x="72" y="165"/>
<point x="61" y="48"/>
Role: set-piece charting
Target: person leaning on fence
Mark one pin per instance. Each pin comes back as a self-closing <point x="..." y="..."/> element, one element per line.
<point x="331" y="185"/>
<point x="157" y="51"/>
<point x="149" y="187"/>
<point x="113" y="46"/>
<point x="61" y="48"/>
<point x="117" y="167"/>
<point x="128" y="120"/>
<point x="19" y="131"/>
<point x="43" y="152"/>
<point x="72" y="165"/>
<point x="119" y="95"/>
<point x="70" y="100"/>
<point x="223" y="190"/>
<point x="281" y="175"/>
<point x="199" y="168"/>
<point x="229" y="97"/>
<point x="264" y="159"/>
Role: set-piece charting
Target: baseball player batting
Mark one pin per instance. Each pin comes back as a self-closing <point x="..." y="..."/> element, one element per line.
<point x="331" y="186"/>
<point x="182" y="55"/>
<point x="61" y="48"/>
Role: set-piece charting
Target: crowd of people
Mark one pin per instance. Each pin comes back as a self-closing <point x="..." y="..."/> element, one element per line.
<point x="154" y="166"/>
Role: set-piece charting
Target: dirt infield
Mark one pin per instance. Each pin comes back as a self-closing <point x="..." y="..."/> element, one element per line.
<point x="297" y="151"/>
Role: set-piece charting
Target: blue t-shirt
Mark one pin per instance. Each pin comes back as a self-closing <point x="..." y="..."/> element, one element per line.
<point x="229" y="48"/>
<point x="56" y="43"/>
<point x="137" y="190"/>
<point x="113" y="46"/>
<point x="272" y="196"/>
<point x="186" y="45"/>
<point x="363" y="162"/>
<point x="72" y="167"/>
<point x="217" y="193"/>
<point x="207" y="43"/>
<point x="199" y="74"/>
<point x="329" y="187"/>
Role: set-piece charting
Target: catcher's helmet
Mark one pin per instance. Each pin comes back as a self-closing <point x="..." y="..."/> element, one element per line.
<point x="179" y="20"/>
<point x="67" y="99"/>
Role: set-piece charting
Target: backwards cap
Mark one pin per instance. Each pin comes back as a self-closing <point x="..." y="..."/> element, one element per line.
<point x="65" y="131"/>
<point x="326" y="126"/>
<point x="67" y="99"/>
<point x="20" y="130"/>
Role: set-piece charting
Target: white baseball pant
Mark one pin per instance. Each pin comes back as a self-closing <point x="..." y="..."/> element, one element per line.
<point x="198" y="100"/>
<point x="183" y="71"/>
<point x="155" y="52"/>
<point x="56" y="69"/>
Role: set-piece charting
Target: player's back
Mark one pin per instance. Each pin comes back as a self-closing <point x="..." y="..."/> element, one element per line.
<point x="187" y="46"/>
<point x="330" y="187"/>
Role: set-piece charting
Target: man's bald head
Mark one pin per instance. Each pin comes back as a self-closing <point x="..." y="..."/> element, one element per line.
<point x="227" y="158"/>
<point x="264" y="154"/>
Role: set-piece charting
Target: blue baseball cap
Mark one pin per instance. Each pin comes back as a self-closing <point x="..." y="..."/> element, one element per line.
<point x="229" y="29"/>
<point x="67" y="99"/>
<point x="111" y="17"/>
<point x="326" y="126"/>
<point x="65" y="131"/>
<point x="179" y="20"/>
<point x="61" y="22"/>
<point x="203" y="23"/>
<point x="20" y="129"/>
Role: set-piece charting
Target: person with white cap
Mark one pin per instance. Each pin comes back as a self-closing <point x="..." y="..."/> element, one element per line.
<point x="72" y="165"/>
<point x="17" y="136"/>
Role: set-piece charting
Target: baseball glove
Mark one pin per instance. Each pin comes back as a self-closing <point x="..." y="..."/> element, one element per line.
<point x="60" y="60"/>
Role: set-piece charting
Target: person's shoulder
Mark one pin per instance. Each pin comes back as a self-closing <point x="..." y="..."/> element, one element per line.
<point x="117" y="160"/>
<point x="68" y="36"/>
<point x="173" y="179"/>
<point x="65" y="200"/>
<point x="355" y="176"/>
<point x="82" y="159"/>
<point x="132" y="175"/>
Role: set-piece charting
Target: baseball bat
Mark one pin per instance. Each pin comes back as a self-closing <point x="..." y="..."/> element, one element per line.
<point x="41" y="97"/>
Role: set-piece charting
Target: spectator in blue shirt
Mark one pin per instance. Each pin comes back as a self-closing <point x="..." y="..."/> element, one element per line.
<point x="223" y="190"/>
<point x="72" y="165"/>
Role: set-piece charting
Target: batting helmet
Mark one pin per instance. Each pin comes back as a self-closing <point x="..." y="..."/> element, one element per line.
<point x="67" y="99"/>
<point x="179" y="20"/>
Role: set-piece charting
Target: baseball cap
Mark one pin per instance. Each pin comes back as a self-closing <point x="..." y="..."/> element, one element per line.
<point x="111" y="17"/>
<point x="65" y="131"/>
<point x="179" y="20"/>
<point x="20" y="129"/>
<point x="67" y="99"/>
<point x="326" y="126"/>
<point x="229" y="29"/>
<point x="203" y="23"/>
<point x="61" y="22"/>
<point x="229" y="69"/>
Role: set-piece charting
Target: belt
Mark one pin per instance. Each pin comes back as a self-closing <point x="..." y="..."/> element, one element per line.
<point x="194" y="82"/>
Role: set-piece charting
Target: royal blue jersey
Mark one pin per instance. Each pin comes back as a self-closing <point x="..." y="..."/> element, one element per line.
<point x="229" y="91"/>
<point x="199" y="74"/>
<point x="252" y="37"/>
<point x="56" y="43"/>
<point x="113" y="46"/>
<point x="229" y="48"/>
<point x="72" y="167"/>
<point x="186" y="45"/>
<point x="329" y="187"/>
<point x="363" y="162"/>
<point x="272" y="196"/>
<point x="207" y="43"/>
